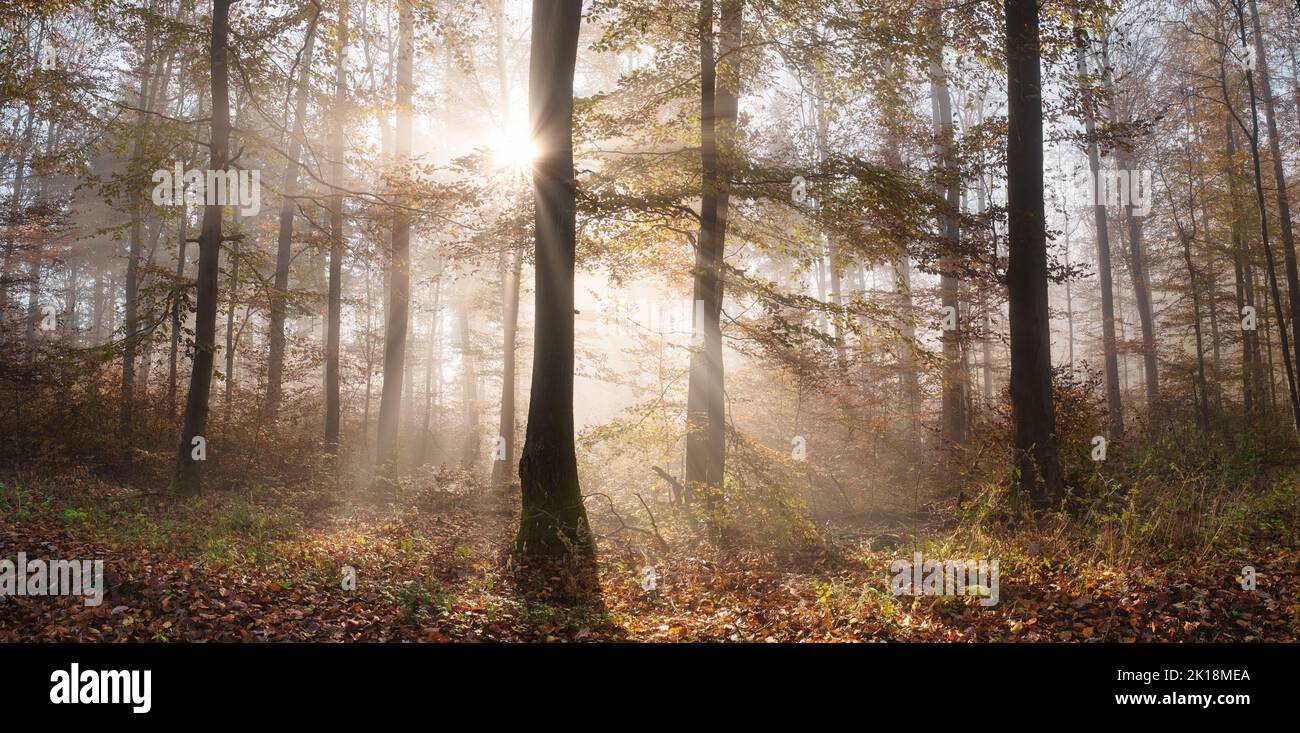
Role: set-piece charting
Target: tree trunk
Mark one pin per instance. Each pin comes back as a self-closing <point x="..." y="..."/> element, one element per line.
<point x="1212" y="280"/>
<point x="1279" y="180"/>
<point x="16" y="209"/>
<point x="187" y="477"/>
<point x="501" y="473"/>
<point x="431" y="369"/>
<point x="1137" y="262"/>
<point x="1032" y="406"/>
<point x="399" y="279"/>
<point x="1245" y="278"/>
<point x="954" y="419"/>
<point x="1115" y="408"/>
<point x="503" y="464"/>
<point x="232" y="265"/>
<point x="469" y="448"/>
<point x="126" y="411"/>
<point x="705" y="407"/>
<point x="284" y="251"/>
<point x="333" y="404"/>
<point x="1263" y="232"/>
<point x="553" y="520"/>
<point x="173" y="354"/>
<point x="1185" y="238"/>
<point x="909" y="380"/>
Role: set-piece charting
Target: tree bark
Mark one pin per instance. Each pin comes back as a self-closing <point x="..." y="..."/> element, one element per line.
<point x="1137" y="261"/>
<point x="284" y="242"/>
<point x="399" y="278"/>
<point x="469" y="447"/>
<point x="126" y="411"/>
<point x="553" y="520"/>
<point x="1115" y="407"/>
<point x="333" y="404"/>
<point x="1245" y="279"/>
<point x="1279" y="179"/>
<point x="501" y="473"/>
<point x="432" y="369"/>
<point x="1283" y="339"/>
<point x="187" y="478"/>
<point x="705" y="407"/>
<point x="1032" y="406"/>
<point x="953" y="421"/>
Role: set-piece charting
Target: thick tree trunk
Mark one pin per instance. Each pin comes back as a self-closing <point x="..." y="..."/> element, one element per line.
<point x="284" y="243"/>
<point x="553" y="520"/>
<point x="187" y="477"/>
<point x="1032" y="406"/>
<point x="399" y="278"/>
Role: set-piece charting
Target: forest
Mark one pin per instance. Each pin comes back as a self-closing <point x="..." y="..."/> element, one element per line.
<point x="649" y="320"/>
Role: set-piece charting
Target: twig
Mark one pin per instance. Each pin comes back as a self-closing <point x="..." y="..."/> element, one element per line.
<point x="662" y="544"/>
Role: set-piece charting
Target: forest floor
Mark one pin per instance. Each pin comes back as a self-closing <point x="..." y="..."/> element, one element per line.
<point x="435" y="567"/>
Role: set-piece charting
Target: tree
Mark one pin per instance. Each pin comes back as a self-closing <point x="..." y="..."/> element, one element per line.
<point x="553" y="520"/>
<point x="186" y="479"/>
<point x="1115" y="408"/>
<point x="1137" y="260"/>
<point x="513" y="260"/>
<point x="334" y="298"/>
<point x="399" y="274"/>
<point x="126" y="423"/>
<point x="1279" y="180"/>
<point x="1032" y="406"/>
<point x="1253" y="138"/>
<point x="953" y="424"/>
<point x="705" y="407"/>
<point x="284" y="242"/>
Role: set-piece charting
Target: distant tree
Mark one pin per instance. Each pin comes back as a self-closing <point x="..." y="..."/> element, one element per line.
<point x="399" y="273"/>
<point x="284" y="242"/>
<point x="1101" y="222"/>
<point x="334" y="298"/>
